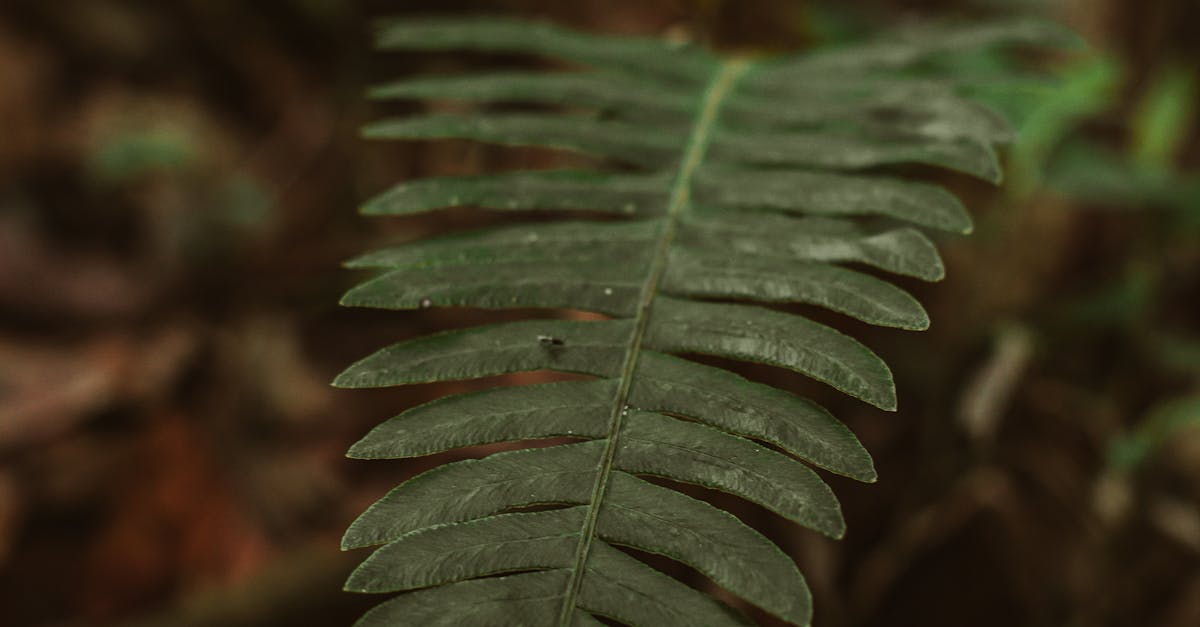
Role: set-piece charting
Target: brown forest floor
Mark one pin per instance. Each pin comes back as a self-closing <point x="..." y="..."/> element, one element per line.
<point x="177" y="188"/>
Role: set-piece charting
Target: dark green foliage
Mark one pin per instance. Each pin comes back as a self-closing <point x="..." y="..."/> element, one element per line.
<point x="746" y="175"/>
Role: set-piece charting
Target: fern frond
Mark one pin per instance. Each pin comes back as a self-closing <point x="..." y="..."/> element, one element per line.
<point x="740" y="179"/>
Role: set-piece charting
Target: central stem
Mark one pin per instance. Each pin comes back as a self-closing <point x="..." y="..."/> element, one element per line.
<point x="714" y="95"/>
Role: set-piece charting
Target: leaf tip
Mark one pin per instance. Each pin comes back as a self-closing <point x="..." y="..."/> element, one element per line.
<point x="372" y="131"/>
<point x="862" y="468"/>
<point x="836" y="529"/>
<point x="348" y="380"/>
<point x="363" y="449"/>
<point x="952" y="214"/>
<point x="993" y="173"/>
<point x="358" y="587"/>
<point x="349" y="544"/>
<point x="355" y="538"/>
<point x="937" y="270"/>
<point x="885" y="398"/>
<point x="912" y="317"/>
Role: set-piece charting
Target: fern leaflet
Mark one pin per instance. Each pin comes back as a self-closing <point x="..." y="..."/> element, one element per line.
<point x="745" y="180"/>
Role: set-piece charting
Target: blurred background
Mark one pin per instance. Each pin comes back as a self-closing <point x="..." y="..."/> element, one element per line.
<point x="178" y="183"/>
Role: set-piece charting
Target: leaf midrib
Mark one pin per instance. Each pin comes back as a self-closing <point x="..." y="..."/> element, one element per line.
<point x="714" y="96"/>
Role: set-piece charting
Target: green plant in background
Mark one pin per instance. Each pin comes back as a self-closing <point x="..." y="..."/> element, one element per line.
<point x="1055" y="154"/>
<point x="731" y="178"/>
<point x="221" y="207"/>
<point x="1142" y="175"/>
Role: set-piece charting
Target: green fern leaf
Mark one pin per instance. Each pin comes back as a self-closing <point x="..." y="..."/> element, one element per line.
<point x="731" y="179"/>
